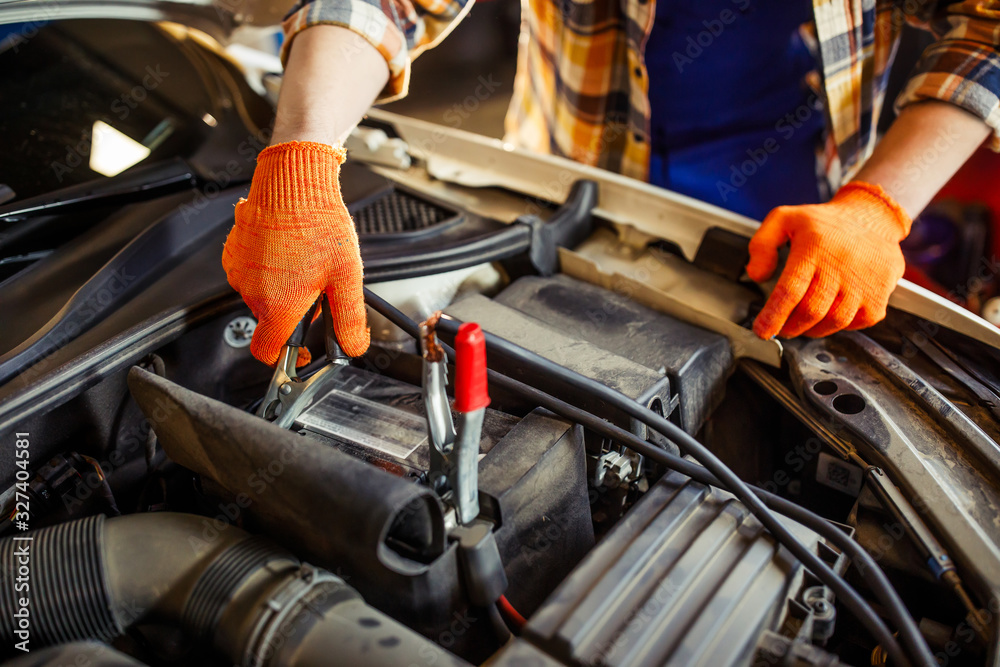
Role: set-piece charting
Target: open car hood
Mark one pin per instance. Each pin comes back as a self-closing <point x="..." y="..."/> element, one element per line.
<point x="217" y="18"/>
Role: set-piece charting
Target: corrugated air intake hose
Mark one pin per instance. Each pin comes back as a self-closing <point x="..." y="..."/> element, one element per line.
<point x="253" y="601"/>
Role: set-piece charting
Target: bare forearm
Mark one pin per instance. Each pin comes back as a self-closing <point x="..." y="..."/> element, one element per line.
<point x="331" y="79"/>
<point x="923" y="149"/>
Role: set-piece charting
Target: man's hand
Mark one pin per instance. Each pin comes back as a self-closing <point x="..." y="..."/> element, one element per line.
<point x="292" y="241"/>
<point x="843" y="264"/>
<point x="845" y="258"/>
<point x="294" y="238"/>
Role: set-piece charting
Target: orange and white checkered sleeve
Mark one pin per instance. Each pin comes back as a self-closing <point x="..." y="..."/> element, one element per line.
<point x="962" y="66"/>
<point x="399" y="29"/>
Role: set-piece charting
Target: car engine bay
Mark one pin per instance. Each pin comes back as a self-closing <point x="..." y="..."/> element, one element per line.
<point x="649" y="483"/>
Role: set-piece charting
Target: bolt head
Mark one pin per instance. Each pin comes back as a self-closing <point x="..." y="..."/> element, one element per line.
<point x="239" y="332"/>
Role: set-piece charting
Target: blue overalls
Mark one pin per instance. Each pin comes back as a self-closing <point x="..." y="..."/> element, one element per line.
<point x="732" y="120"/>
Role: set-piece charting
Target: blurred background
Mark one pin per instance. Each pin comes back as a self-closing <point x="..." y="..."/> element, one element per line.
<point x="444" y="79"/>
<point x="954" y="245"/>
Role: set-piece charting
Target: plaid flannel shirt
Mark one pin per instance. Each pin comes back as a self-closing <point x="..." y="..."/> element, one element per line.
<point x="581" y="85"/>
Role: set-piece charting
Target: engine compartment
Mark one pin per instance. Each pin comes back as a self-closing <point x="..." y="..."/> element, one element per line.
<point x="174" y="526"/>
<point x="342" y="489"/>
<point x="612" y="558"/>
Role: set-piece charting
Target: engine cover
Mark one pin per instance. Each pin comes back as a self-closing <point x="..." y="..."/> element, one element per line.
<point x="688" y="577"/>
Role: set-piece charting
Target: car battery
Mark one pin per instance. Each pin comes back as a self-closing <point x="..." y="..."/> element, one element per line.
<point x="381" y="420"/>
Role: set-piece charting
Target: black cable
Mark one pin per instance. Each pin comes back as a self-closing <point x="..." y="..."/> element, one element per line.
<point x="509" y="241"/>
<point x="104" y="488"/>
<point x="729" y="481"/>
<point x="870" y="572"/>
<point x="394" y="315"/>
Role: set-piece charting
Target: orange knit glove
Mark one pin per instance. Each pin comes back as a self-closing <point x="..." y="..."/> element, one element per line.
<point x="843" y="264"/>
<point x="293" y="240"/>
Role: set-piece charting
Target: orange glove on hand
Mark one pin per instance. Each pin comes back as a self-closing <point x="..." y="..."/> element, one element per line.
<point x="843" y="264"/>
<point x="293" y="240"/>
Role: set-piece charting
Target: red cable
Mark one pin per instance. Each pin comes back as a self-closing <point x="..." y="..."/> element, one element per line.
<point x="508" y="609"/>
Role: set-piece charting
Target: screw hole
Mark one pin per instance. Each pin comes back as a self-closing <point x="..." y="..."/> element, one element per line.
<point x="656" y="405"/>
<point x="825" y="388"/>
<point x="849" y="404"/>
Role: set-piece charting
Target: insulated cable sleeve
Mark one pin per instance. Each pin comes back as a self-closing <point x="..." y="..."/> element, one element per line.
<point x="868" y="568"/>
<point x="852" y="600"/>
<point x="729" y="480"/>
<point x="513" y="614"/>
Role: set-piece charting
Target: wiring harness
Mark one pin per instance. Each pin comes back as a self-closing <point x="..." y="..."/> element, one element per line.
<point x="711" y="471"/>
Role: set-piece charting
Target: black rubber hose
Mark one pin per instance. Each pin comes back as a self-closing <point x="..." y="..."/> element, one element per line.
<point x="870" y="572"/>
<point x="59" y="572"/>
<point x="723" y="477"/>
<point x="84" y="654"/>
<point x="731" y="482"/>
<point x="92" y="579"/>
<point x="507" y="242"/>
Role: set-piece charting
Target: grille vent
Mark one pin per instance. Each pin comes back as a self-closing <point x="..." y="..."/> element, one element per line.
<point x="399" y="213"/>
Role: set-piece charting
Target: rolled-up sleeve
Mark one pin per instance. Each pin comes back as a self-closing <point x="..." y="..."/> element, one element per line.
<point x="399" y="29"/>
<point x="962" y="66"/>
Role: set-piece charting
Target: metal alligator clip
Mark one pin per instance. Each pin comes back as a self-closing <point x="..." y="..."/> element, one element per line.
<point x="288" y="394"/>
<point x="454" y="470"/>
<point x="454" y="473"/>
<point x="440" y="428"/>
<point x="471" y="398"/>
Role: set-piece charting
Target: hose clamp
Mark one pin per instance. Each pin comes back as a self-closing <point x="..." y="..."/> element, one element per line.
<point x="281" y="611"/>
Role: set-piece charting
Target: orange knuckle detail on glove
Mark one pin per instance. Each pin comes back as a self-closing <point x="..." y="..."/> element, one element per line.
<point x="855" y="237"/>
<point x="865" y="318"/>
<point x="293" y="240"/>
<point x="809" y="313"/>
